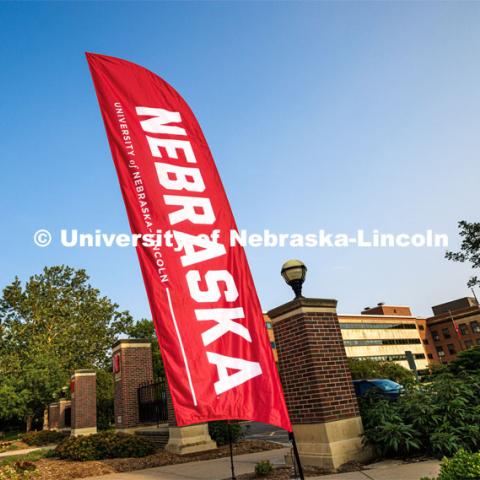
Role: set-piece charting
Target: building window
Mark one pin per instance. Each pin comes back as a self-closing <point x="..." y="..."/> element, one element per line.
<point x="269" y="325"/>
<point x="363" y="326"/>
<point x="430" y="356"/>
<point x="475" y="327"/>
<point x="446" y="333"/>
<point x="451" y="349"/>
<point x="463" y="328"/>
<point x="440" y="352"/>
<point x="421" y="327"/>
<point x="273" y="344"/>
<point x="379" y="341"/>
<point x="390" y="358"/>
<point x="425" y="341"/>
<point x="435" y="336"/>
<point x="468" y="343"/>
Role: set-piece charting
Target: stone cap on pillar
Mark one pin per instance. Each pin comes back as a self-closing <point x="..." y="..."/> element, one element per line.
<point x="131" y="343"/>
<point x="84" y="372"/>
<point x="302" y="305"/>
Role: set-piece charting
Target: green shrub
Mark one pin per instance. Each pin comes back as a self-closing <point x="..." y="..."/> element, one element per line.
<point x="104" y="445"/>
<point x="24" y="466"/>
<point x="7" y="446"/>
<point x="43" y="437"/>
<point x="219" y="432"/>
<point x="462" y="466"/>
<point x="263" y="468"/>
<point x="18" y="471"/>
<point x="437" y="419"/>
<point x="467" y="360"/>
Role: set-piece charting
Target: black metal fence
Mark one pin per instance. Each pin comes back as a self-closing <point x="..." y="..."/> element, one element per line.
<point x="68" y="417"/>
<point x="152" y="402"/>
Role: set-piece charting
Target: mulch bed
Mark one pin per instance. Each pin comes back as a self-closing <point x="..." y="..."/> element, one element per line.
<point x="52" y="469"/>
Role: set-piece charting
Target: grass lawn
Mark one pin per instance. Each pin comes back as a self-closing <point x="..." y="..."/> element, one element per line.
<point x="9" y="436"/>
<point x="7" y="447"/>
<point x="26" y="457"/>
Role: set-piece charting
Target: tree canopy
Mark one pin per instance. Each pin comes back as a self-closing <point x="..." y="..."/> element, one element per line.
<point x="469" y="249"/>
<point x="144" y="329"/>
<point x="52" y="325"/>
<point x="366" y="368"/>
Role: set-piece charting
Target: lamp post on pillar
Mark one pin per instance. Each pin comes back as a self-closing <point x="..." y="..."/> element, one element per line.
<point x="315" y="376"/>
<point x="294" y="273"/>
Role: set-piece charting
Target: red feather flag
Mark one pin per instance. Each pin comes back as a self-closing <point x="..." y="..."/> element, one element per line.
<point x="209" y="324"/>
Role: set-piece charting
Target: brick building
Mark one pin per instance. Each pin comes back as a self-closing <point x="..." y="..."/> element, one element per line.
<point x="384" y="332"/>
<point x="454" y="326"/>
<point x="271" y="336"/>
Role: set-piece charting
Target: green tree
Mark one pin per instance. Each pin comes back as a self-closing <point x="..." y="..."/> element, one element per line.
<point x="55" y="323"/>
<point x="469" y="249"/>
<point x="144" y="329"/>
<point x="467" y="360"/>
<point x="105" y="399"/>
<point x="365" y="369"/>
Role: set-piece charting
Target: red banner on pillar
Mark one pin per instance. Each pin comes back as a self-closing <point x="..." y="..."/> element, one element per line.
<point x="209" y="323"/>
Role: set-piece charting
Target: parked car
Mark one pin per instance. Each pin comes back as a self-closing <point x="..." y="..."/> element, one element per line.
<point x="384" y="387"/>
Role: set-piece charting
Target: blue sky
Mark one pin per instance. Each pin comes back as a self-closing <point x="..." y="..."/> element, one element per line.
<point x="319" y="115"/>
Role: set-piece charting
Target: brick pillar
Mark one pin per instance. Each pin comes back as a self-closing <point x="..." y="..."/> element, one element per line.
<point x="317" y="383"/>
<point x="53" y="412"/>
<point x="183" y="440"/>
<point x="84" y="402"/>
<point x="132" y="367"/>
<point x="63" y="405"/>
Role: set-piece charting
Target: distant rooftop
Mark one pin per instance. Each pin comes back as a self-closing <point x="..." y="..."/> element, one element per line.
<point x="453" y="305"/>
<point x="382" y="309"/>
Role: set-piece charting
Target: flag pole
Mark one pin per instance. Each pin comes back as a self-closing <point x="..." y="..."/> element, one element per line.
<point x="231" y="449"/>
<point x="291" y="436"/>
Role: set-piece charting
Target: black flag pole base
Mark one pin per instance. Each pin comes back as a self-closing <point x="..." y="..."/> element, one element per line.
<point x="231" y="449"/>
<point x="291" y="437"/>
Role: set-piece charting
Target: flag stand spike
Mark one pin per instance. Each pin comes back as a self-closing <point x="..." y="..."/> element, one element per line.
<point x="231" y="449"/>
<point x="291" y="436"/>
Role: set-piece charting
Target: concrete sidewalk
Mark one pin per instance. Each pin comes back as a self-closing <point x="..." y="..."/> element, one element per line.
<point x="23" y="451"/>
<point x="389" y="470"/>
<point x="219" y="469"/>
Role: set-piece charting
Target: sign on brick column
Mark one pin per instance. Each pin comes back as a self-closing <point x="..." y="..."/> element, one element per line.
<point x="132" y="367"/>
<point x="317" y="382"/>
<point x="83" y="389"/>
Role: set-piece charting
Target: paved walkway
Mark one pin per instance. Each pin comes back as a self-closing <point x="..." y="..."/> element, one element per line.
<point x="389" y="470"/>
<point x="219" y="469"/>
<point x="23" y="451"/>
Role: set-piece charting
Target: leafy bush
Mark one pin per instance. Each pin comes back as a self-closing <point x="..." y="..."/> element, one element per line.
<point x="43" y="437"/>
<point x="467" y="360"/>
<point x="18" y="471"/>
<point x="24" y="466"/>
<point x="364" y="369"/>
<point x="104" y="445"/>
<point x="437" y="419"/>
<point x="7" y="446"/>
<point x="263" y="468"/>
<point x="219" y="432"/>
<point x="462" y="465"/>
